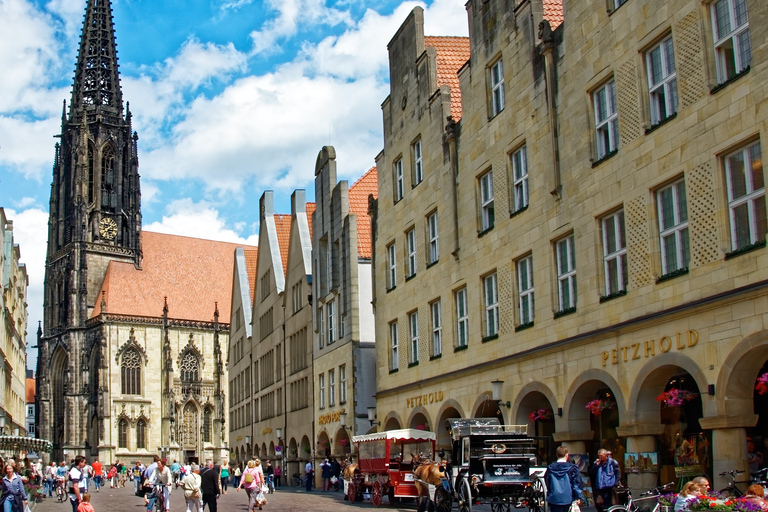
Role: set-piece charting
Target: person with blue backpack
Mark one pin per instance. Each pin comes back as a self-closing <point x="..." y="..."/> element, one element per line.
<point x="563" y="482"/>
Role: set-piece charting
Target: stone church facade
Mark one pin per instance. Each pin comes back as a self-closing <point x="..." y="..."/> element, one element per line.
<point x="131" y="354"/>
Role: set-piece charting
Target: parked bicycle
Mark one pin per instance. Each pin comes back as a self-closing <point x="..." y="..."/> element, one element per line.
<point x="732" y="489"/>
<point x="632" y="504"/>
<point x="297" y="480"/>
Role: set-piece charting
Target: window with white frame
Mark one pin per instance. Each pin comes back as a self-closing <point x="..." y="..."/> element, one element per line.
<point x="497" y="88"/>
<point x="673" y="227"/>
<point x="329" y="264"/>
<point x="321" y="314"/>
<point x="520" y="178"/>
<point x="413" y="322"/>
<point x="462" y="318"/>
<point x="410" y="239"/>
<point x="491" y="294"/>
<point x="418" y="163"/>
<point x="662" y="81"/>
<point x="746" y="196"/>
<point x="566" y="273"/>
<point x="394" y="347"/>
<point x="398" y="179"/>
<point x="437" y="328"/>
<point x="606" y="119"/>
<point x="331" y="388"/>
<point x="342" y="325"/>
<point x="342" y="384"/>
<point x="392" y="265"/>
<point x="733" y="48"/>
<point x="525" y="304"/>
<point x="321" y="390"/>
<point x="487" y="213"/>
<point x="432" y="233"/>
<point x="331" y="309"/>
<point x="614" y="253"/>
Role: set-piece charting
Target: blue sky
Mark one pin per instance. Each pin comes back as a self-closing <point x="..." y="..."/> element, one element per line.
<point x="230" y="98"/>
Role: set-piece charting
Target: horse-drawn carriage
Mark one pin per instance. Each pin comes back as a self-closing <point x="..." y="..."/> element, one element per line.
<point x="385" y="465"/>
<point x="492" y="464"/>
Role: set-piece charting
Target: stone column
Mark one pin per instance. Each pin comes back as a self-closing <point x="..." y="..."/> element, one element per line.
<point x="729" y="444"/>
<point x="577" y="442"/>
<point x="641" y="437"/>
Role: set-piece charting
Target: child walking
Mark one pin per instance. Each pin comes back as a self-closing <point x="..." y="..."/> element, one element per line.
<point x="85" y="505"/>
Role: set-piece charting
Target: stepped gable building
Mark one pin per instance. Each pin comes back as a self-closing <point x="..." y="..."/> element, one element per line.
<point x="132" y="353"/>
<point x="583" y="251"/>
<point x="344" y="333"/>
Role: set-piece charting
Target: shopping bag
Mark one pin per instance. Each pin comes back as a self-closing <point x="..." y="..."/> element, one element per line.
<point x="575" y="507"/>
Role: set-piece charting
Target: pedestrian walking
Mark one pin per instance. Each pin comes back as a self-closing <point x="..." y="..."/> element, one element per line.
<point x="96" y="467"/>
<point x="50" y="475"/>
<point x="604" y="474"/>
<point x="76" y="482"/>
<point x="335" y="473"/>
<point x="193" y="493"/>
<point x="269" y="475"/>
<point x="278" y="473"/>
<point x="85" y="505"/>
<point x="236" y="475"/>
<point x="251" y="481"/>
<point x="210" y="485"/>
<point x="224" y="476"/>
<point x="563" y="483"/>
<point x="14" y="497"/>
<point x="309" y="475"/>
<point x="325" y="471"/>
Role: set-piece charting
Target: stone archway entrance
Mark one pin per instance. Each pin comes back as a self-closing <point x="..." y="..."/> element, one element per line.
<point x="536" y="411"/>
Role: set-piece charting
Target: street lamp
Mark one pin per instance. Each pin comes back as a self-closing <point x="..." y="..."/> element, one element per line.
<point x="496" y="391"/>
<point x="343" y="421"/>
<point x="372" y="416"/>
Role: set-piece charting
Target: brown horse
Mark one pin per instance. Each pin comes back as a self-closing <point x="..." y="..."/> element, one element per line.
<point x="348" y="470"/>
<point x="426" y="472"/>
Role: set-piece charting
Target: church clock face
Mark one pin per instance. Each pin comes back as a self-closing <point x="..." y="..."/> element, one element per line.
<point x="108" y="229"/>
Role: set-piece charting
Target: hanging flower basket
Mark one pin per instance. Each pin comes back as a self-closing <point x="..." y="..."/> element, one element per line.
<point x="598" y="405"/>
<point x="541" y="415"/>
<point x="676" y="397"/>
<point x="307" y="449"/>
<point x="421" y="426"/>
<point x="343" y="442"/>
<point x="762" y="384"/>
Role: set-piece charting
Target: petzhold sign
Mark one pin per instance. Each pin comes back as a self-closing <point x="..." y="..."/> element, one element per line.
<point x="648" y="348"/>
<point x="426" y="398"/>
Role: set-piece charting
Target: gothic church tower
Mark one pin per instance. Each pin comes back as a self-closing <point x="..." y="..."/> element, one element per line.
<point x="95" y="218"/>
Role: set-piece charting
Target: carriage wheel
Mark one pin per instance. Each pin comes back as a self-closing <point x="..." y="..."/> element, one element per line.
<point x="442" y="499"/>
<point x="500" y="506"/>
<point x="465" y="496"/>
<point x="351" y="492"/>
<point x="391" y="494"/>
<point x="376" y="494"/>
<point x="538" y="499"/>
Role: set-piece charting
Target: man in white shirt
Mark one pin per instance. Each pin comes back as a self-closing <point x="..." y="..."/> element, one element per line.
<point x="309" y="474"/>
<point x="77" y="482"/>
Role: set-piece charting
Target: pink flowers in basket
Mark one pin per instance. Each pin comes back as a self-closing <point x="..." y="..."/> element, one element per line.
<point x="541" y="414"/>
<point x="762" y="384"/>
<point x="598" y="405"/>
<point x="676" y="397"/>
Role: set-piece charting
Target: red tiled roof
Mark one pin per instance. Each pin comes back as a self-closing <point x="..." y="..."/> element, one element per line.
<point x="30" y="391"/>
<point x="283" y="227"/>
<point x="553" y="12"/>
<point x="358" y="204"/>
<point x="251" y="263"/>
<point x="452" y="54"/>
<point x="193" y="273"/>
<point x="311" y="207"/>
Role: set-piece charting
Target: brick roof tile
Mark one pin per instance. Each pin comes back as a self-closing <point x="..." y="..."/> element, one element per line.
<point x="358" y="204"/>
<point x="452" y="54"/>
<point x="193" y="273"/>
<point x="553" y="12"/>
<point x="251" y="262"/>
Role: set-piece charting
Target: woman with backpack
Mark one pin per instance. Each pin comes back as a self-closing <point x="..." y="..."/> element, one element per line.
<point x="251" y="481"/>
<point x="563" y="482"/>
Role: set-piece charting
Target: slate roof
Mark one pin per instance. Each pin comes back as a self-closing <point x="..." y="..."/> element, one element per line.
<point x="452" y="54"/>
<point x="553" y="12"/>
<point x="358" y="204"/>
<point x="193" y="273"/>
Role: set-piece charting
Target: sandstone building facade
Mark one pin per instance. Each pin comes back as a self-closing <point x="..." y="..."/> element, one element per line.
<point x="591" y="228"/>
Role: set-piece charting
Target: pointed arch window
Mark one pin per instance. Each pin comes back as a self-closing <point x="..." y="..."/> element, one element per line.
<point x="190" y="368"/>
<point x="130" y="373"/>
<point x="207" y="422"/>
<point x="141" y="434"/>
<point x="122" y="434"/>
<point x="189" y="428"/>
<point x="108" y="192"/>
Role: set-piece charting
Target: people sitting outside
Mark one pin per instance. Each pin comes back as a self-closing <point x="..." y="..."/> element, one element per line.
<point x="756" y="494"/>
<point x="690" y="491"/>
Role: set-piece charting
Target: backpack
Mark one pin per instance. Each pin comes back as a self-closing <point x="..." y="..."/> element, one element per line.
<point x="248" y="477"/>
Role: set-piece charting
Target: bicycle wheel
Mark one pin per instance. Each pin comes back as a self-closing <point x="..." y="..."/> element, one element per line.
<point x="730" y="492"/>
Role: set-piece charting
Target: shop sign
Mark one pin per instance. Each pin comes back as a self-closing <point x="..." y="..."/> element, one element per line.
<point x="266" y="431"/>
<point x="330" y="417"/>
<point x="649" y="348"/>
<point x="425" y="399"/>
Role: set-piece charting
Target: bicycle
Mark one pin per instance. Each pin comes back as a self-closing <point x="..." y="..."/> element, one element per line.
<point x="652" y="494"/>
<point x="297" y="480"/>
<point x="61" y="493"/>
<point x="732" y="490"/>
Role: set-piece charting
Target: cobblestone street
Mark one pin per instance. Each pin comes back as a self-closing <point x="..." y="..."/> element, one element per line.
<point x="286" y="498"/>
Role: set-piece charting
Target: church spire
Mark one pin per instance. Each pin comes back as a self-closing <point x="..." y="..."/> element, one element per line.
<point x="97" y="81"/>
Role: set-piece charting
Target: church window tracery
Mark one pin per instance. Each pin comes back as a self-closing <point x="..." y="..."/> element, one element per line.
<point x="190" y="368"/>
<point x="130" y="373"/>
<point x="141" y="434"/>
<point x="122" y="434"/>
<point x="207" y="420"/>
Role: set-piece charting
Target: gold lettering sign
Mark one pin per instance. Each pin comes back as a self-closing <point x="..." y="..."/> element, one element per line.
<point x="647" y="348"/>
<point x="331" y="417"/>
<point x="425" y="399"/>
<point x="266" y="431"/>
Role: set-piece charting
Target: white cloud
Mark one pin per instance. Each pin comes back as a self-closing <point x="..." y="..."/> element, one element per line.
<point x="291" y="15"/>
<point x="28" y="146"/>
<point x="199" y="220"/>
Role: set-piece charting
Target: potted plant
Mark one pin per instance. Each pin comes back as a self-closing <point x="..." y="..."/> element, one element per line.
<point x="762" y="384"/>
<point x="667" y="501"/>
